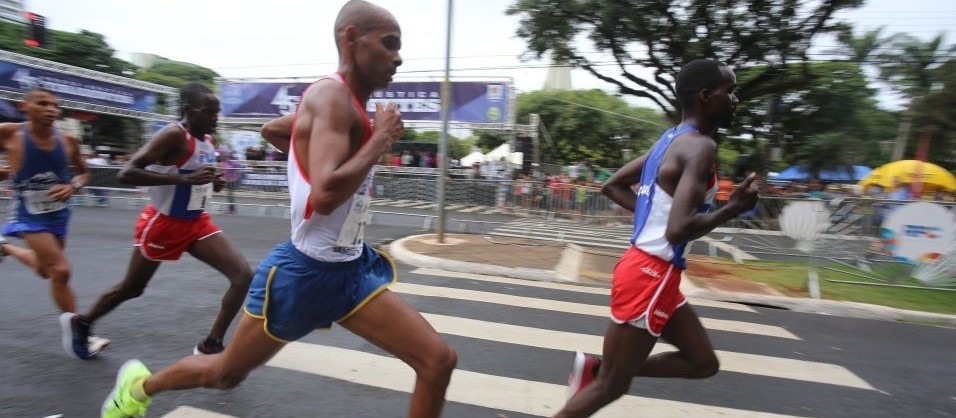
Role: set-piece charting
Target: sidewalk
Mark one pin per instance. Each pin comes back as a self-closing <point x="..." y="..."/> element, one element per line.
<point x="556" y="262"/>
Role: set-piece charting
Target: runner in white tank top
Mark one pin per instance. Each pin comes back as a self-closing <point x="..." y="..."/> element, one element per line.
<point x="185" y="201"/>
<point x="338" y="236"/>
<point x="177" y="167"/>
<point x="324" y="274"/>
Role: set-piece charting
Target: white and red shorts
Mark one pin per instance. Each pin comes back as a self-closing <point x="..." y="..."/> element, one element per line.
<point x="645" y="291"/>
<point x="164" y="238"/>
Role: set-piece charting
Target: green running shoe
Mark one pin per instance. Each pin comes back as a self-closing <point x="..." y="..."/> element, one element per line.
<point x="121" y="403"/>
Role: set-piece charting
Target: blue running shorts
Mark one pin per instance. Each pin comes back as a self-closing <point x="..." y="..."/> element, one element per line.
<point x="18" y="228"/>
<point x="296" y="294"/>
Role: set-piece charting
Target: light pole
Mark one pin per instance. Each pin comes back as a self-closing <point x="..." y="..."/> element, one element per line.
<point x="443" y="141"/>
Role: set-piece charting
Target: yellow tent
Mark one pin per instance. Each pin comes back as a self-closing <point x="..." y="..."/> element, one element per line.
<point x="907" y="172"/>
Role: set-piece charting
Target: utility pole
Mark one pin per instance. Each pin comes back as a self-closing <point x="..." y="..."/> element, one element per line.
<point x="443" y="141"/>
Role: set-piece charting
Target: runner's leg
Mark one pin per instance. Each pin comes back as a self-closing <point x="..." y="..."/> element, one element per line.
<point x="218" y="251"/>
<point x="51" y="263"/>
<point x="138" y="274"/>
<point x="625" y="349"/>
<point x="392" y="324"/>
<point x="695" y="358"/>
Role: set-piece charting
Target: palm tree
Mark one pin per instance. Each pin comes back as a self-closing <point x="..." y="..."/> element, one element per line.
<point x="861" y="49"/>
<point x="911" y="70"/>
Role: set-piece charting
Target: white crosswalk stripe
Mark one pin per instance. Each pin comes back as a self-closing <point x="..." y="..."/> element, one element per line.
<point x="568" y="341"/>
<point x="513" y="394"/>
<point x="490" y="391"/>
<point x="190" y="412"/>
<point x="571" y="307"/>
<point x="567" y="287"/>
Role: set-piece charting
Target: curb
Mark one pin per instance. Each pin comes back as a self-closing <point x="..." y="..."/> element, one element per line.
<point x="815" y="306"/>
<point x="400" y="253"/>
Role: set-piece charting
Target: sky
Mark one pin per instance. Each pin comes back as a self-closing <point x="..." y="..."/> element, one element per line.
<point x="293" y="38"/>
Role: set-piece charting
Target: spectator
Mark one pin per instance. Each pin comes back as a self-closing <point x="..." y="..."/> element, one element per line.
<point x="97" y="170"/>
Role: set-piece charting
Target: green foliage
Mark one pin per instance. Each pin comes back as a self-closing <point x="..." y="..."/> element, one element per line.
<point x="177" y="74"/>
<point x="487" y="140"/>
<point x="662" y="35"/>
<point x="934" y="113"/>
<point x="85" y="49"/>
<point x="457" y="147"/>
<point x="580" y="131"/>
<point x="829" y="122"/>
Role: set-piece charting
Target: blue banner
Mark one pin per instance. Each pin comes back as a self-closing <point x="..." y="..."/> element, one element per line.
<point x="19" y="78"/>
<point x="479" y="102"/>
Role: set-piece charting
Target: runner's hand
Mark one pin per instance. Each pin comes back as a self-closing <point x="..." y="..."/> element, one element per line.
<point x="204" y="175"/>
<point x="388" y="126"/>
<point x="744" y="197"/>
<point x="61" y="192"/>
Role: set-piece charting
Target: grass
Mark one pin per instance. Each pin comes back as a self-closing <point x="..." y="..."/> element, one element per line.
<point x="791" y="280"/>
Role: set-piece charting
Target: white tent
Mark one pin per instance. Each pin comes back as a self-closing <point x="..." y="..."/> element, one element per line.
<point x="504" y="151"/>
<point x="471" y="159"/>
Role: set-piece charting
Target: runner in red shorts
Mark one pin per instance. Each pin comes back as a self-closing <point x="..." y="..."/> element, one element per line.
<point x="177" y="167"/>
<point x="676" y="183"/>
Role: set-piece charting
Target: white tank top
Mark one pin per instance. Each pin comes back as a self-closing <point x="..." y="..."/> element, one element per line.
<point x="338" y="236"/>
<point x="185" y="201"/>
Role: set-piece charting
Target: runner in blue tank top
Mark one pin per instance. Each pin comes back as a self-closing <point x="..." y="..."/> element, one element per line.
<point x="676" y="183"/>
<point x="39" y="158"/>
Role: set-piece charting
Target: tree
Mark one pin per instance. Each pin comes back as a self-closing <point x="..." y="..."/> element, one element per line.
<point x="911" y="71"/>
<point x="865" y="47"/>
<point x="663" y="35"/>
<point x="831" y="122"/>
<point x="177" y="74"/>
<point x="934" y="113"/>
<point x="488" y="140"/>
<point x="588" y="125"/>
<point x="85" y="49"/>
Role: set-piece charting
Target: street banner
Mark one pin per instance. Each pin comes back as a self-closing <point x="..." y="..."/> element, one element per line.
<point x="472" y="101"/>
<point x="20" y="78"/>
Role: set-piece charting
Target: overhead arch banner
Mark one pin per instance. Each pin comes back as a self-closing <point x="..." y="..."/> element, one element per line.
<point x="472" y="101"/>
<point x="20" y="78"/>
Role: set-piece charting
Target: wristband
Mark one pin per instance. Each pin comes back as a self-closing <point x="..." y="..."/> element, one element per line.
<point x="76" y="185"/>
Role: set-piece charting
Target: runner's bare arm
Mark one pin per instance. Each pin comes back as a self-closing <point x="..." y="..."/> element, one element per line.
<point x="334" y="172"/>
<point x="618" y="187"/>
<point x="685" y="223"/>
<point x="279" y="131"/>
<point x="160" y="150"/>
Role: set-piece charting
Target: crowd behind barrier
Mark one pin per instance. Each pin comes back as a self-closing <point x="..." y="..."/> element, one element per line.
<point x="558" y="197"/>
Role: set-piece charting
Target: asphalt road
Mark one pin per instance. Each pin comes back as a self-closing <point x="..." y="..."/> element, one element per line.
<point x="514" y="341"/>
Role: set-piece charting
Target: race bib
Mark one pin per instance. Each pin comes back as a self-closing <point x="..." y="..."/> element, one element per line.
<point x="39" y="201"/>
<point x="199" y="197"/>
<point x="353" y="229"/>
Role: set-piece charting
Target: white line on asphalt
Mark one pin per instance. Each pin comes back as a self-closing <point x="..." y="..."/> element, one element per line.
<point x="560" y="286"/>
<point x="473" y="209"/>
<point x="408" y="204"/>
<point x="190" y="412"/>
<point x="574" y="308"/>
<point x="453" y="207"/>
<point x="754" y="364"/>
<point x="484" y="390"/>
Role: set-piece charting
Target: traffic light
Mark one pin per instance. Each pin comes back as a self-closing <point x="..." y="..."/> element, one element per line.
<point x="36" y="31"/>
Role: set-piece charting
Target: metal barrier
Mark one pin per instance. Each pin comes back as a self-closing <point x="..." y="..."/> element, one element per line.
<point x="579" y="202"/>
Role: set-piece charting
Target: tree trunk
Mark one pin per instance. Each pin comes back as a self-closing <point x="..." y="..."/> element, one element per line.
<point x="902" y="136"/>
